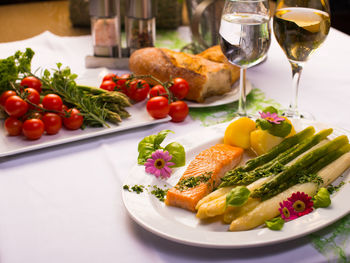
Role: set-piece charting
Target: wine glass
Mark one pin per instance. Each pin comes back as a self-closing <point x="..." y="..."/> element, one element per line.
<point x="245" y="38"/>
<point x="300" y="27"/>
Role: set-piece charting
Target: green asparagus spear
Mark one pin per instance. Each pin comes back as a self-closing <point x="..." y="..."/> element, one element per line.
<point x="300" y="165"/>
<point x="310" y="174"/>
<point x="277" y="165"/>
<point x="235" y="175"/>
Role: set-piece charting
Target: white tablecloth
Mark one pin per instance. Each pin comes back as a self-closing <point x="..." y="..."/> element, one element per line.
<point x="63" y="204"/>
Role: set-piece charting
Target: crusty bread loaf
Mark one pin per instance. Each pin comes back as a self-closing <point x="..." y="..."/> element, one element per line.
<point x="205" y="78"/>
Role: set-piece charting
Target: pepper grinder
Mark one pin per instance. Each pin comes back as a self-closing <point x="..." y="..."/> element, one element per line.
<point x="140" y="24"/>
<point x="105" y="28"/>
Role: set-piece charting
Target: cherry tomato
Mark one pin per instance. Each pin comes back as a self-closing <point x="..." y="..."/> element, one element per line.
<point x="178" y="110"/>
<point x="52" y="102"/>
<point x="179" y="88"/>
<point x="122" y="83"/>
<point x="109" y="76"/>
<point x="5" y="95"/>
<point x="33" y="129"/>
<point x="158" y="90"/>
<point x="33" y="96"/>
<point x="52" y="122"/>
<point x="108" y="85"/>
<point x="13" y="126"/>
<point x="15" y="106"/>
<point x="138" y="90"/>
<point x="31" y="82"/>
<point x="158" y="107"/>
<point x="74" y="121"/>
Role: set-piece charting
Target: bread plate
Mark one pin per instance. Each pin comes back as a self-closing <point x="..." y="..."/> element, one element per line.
<point x="227" y="98"/>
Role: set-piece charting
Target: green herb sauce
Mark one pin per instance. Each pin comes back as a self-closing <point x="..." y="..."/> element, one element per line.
<point x="190" y="182"/>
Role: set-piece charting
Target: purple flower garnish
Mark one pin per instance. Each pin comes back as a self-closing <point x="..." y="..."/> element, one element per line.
<point x="159" y="164"/>
<point x="271" y="117"/>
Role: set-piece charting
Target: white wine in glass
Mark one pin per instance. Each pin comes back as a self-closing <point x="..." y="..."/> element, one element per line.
<point x="245" y="37"/>
<point x="300" y="27"/>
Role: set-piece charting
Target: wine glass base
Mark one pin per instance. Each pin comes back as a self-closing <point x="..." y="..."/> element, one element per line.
<point x="298" y="115"/>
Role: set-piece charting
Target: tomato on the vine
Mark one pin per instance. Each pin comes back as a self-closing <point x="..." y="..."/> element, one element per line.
<point x="33" y="96"/>
<point x="158" y="90"/>
<point x="52" y="122"/>
<point x="138" y="90"/>
<point x="5" y="95"/>
<point x="122" y="83"/>
<point x="15" y="106"/>
<point x="31" y="82"/>
<point x="74" y="121"/>
<point x="52" y="102"/>
<point x="109" y="76"/>
<point x="13" y="126"/>
<point x="180" y="88"/>
<point x="178" y="111"/>
<point x="33" y="128"/>
<point x="158" y="107"/>
<point x="108" y="85"/>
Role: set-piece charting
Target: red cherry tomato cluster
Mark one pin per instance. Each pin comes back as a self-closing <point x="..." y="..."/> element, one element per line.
<point x="136" y="89"/>
<point x="158" y="105"/>
<point x="30" y="115"/>
<point x="164" y="99"/>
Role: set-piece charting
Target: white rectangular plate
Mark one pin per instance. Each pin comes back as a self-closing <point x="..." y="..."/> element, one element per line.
<point x="19" y="144"/>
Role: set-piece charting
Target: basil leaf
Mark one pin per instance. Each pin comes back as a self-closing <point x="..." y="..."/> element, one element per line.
<point x="160" y="138"/>
<point x="322" y="198"/>
<point x="276" y="223"/>
<point x="149" y="144"/>
<point x="270" y="109"/>
<point x="263" y="124"/>
<point x="177" y="151"/>
<point x="280" y="130"/>
<point x="238" y="196"/>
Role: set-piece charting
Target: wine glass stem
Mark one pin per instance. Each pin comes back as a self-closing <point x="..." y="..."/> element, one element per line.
<point x="242" y="111"/>
<point x="293" y="106"/>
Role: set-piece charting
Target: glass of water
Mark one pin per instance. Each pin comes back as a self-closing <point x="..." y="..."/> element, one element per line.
<point x="245" y="37"/>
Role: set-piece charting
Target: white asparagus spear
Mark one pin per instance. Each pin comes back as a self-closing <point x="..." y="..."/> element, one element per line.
<point x="269" y="209"/>
<point x="217" y="205"/>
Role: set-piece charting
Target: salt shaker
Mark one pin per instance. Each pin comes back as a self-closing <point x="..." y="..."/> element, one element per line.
<point x="140" y="24"/>
<point x="105" y="27"/>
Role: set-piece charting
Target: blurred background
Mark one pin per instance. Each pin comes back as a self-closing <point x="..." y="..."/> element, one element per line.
<point x="21" y="19"/>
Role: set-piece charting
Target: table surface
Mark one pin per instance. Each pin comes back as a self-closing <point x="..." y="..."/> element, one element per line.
<point x="63" y="204"/>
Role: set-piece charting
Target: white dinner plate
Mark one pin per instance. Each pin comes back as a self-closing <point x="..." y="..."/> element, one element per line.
<point x="226" y="98"/>
<point x="182" y="226"/>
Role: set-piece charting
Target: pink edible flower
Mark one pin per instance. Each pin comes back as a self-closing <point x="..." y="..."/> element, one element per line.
<point x="159" y="164"/>
<point x="271" y="117"/>
<point x="287" y="211"/>
<point x="302" y="203"/>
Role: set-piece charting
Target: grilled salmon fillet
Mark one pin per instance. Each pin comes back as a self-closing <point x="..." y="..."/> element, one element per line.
<point x="203" y="174"/>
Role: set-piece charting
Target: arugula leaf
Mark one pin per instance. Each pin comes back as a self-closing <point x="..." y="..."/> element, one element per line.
<point x="177" y="151"/>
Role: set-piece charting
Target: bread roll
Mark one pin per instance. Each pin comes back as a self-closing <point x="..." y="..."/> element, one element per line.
<point x="205" y="78"/>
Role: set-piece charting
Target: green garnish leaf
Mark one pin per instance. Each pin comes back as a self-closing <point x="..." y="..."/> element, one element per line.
<point x="270" y="109"/>
<point x="280" y="130"/>
<point x="322" y="198"/>
<point x="263" y="124"/>
<point x="276" y="223"/>
<point x="149" y="144"/>
<point x="177" y="151"/>
<point x="238" y="196"/>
